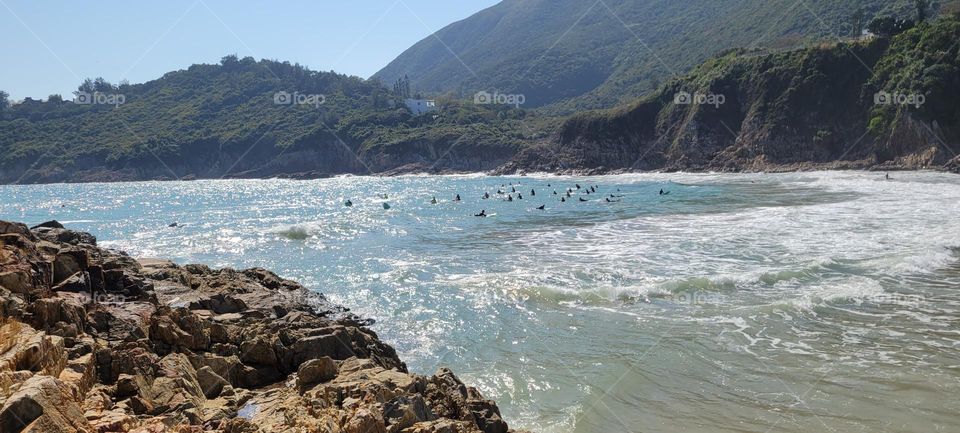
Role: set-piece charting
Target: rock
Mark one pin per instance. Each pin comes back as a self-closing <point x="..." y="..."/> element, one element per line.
<point x="43" y="405"/>
<point x="210" y="382"/>
<point x="53" y="224"/>
<point x="316" y="371"/>
<point x="364" y="421"/>
<point x="92" y="340"/>
<point x="405" y="411"/>
<point x="64" y="236"/>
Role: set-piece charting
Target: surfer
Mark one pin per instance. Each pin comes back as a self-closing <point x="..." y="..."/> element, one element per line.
<point x="483" y="213"/>
<point x="348" y="203"/>
<point x="583" y="199"/>
<point x="533" y="193"/>
<point x="509" y="198"/>
<point x="457" y="198"/>
<point x="578" y="185"/>
<point x="486" y="195"/>
<point x="519" y="196"/>
<point x="563" y="200"/>
<point x="173" y="225"/>
<point x="386" y="206"/>
<point x="433" y="200"/>
<point x="542" y="207"/>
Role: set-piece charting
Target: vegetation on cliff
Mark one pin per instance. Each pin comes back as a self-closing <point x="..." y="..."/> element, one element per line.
<point x="574" y="54"/>
<point x="871" y="102"/>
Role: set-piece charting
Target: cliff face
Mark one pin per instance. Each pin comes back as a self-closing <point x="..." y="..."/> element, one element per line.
<point x="92" y="340"/>
<point x="871" y="104"/>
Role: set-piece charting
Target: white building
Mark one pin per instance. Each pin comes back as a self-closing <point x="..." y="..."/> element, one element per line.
<point x="420" y="106"/>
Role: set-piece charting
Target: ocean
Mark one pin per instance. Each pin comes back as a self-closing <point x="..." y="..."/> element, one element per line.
<point x="820" y="301"/>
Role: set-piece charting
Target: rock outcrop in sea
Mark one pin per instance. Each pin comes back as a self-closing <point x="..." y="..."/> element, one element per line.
<point x="93" y="340"/>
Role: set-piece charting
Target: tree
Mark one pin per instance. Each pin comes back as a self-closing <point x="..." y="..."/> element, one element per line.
<point x="922" y="7"/>
<point x="858" y="22"/>
<point x="4" y="102"/>
<point x="889" y="26"/>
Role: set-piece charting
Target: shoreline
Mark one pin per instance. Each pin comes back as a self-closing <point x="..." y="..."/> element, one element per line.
<point x="787" y="168"/>
<point x="92" y="339"/>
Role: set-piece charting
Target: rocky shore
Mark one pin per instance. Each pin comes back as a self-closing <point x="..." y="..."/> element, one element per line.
<point x="92" y="340"/>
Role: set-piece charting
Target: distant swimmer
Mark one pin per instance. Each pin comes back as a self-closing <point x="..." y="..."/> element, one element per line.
<point x="533" y="193"/>
<point x="173" y="225"/>
<point x="568" y="193"/>
<point x="512" y="189"/>
<point x="499" y="191"/>
<point x="887" y="176"/>
<point x="593" y="189"/>
<point x="433" y="200"/>
<point x="563" y="199"/>
<point x="509" y="198"/>
<point x="486" y="195"/>
<point x="348" y="203"/>
<point x="583" y="199"/>
<point x="663" y="193"/>
<point x="386" y="206"/>
<point x="548" y="186"/>
<point x="612" y="201"/>
<point x="519" y="196"/>
<point x="554" y="192"/>
<point x="542" y="207"/>
<point x="578" y="185"/>
<point x="457" y="198"/>
<point x="483" y="213"/>
<point x="587" y="190"/>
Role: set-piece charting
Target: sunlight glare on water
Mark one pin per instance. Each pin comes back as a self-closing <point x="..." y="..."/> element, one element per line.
<point x="792" y="302"/>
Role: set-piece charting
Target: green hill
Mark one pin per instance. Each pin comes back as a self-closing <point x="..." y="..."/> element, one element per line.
<point x="577" y="54"/>
<point x="877" y="103"/>
<point x="221" y="120"/>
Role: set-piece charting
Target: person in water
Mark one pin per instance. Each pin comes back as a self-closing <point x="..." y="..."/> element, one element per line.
<point x="578" y="185"/>
<point x="509" y="198"/>
<point x="512" y="189"/>
<point x="568" y="193"/>
<point x="554" y="192"/>
<point x="483" y="213"/>
<point x="533" y="193"/>
<point x="661" y="191"/>
<point x="583" y="199"/>
<point x="348" y="203"/>
<point x="563" y="200"/>
<point x="457" y="198"/>
<point x="486" y="195"/>
<point x="433" y="200"/>
<point x="386" y="206"/>
<point x="542" y="207"/>
<point x="519" y="196"/>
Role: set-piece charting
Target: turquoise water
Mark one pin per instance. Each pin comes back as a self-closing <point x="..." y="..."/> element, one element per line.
<point x="753" y="303"/>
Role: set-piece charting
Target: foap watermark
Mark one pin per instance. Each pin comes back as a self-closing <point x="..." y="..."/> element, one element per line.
<point x="695" y="297"/>
<point x="896" y="98"/>
<point x="484" y="97"/>
<point x="685" y="98"/>
<point x="297" y="98"/>
<point x="99" y="98"/>
<point x="102" y="298"/>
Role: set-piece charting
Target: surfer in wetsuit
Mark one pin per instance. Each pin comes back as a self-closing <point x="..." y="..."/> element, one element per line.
<point x="486" y="195"/>
<point x="433" y="200"/>
<point x="483" y="213"/>
<point x="509" y="198"/>
<point x="348" y="203"/>
<point x="519" y="196"/>
<point x="563" y="200"/>
<point x="457" y="198"/>
<point x="542" y="207"/>
<point x="583" y="199"/>
<point x="578" y="185"/>
<point x="533" y="193"/>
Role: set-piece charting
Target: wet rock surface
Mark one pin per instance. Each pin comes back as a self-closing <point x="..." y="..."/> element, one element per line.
<point x="92" y="340"/>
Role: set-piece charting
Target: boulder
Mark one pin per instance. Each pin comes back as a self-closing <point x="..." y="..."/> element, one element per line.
<point x="210" y="382"/>
<point x="53" y="224"/>
<point x="405" y="411"/>
<point x="316" y="371"/>
<point x="43" y="405"/>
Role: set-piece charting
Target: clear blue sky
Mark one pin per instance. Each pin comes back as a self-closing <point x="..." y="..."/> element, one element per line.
<point x="49" y="46"/>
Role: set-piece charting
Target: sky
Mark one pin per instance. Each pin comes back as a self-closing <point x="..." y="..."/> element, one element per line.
<point x="49" y="47"/>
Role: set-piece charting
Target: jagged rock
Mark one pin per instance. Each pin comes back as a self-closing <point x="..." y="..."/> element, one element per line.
<point x="65" y="236"/>
<point x="316" y="371"/>
<point x="93" y="340"/>
<point x="405" y="411"/>
<point x="53" y="224"/>
<point x="43" y="405"/>
<point x="210" y="382"/>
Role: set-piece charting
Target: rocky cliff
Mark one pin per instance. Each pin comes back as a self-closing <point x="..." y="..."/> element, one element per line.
<point x="92" y="340"/>
<point x="882" y="103"/>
